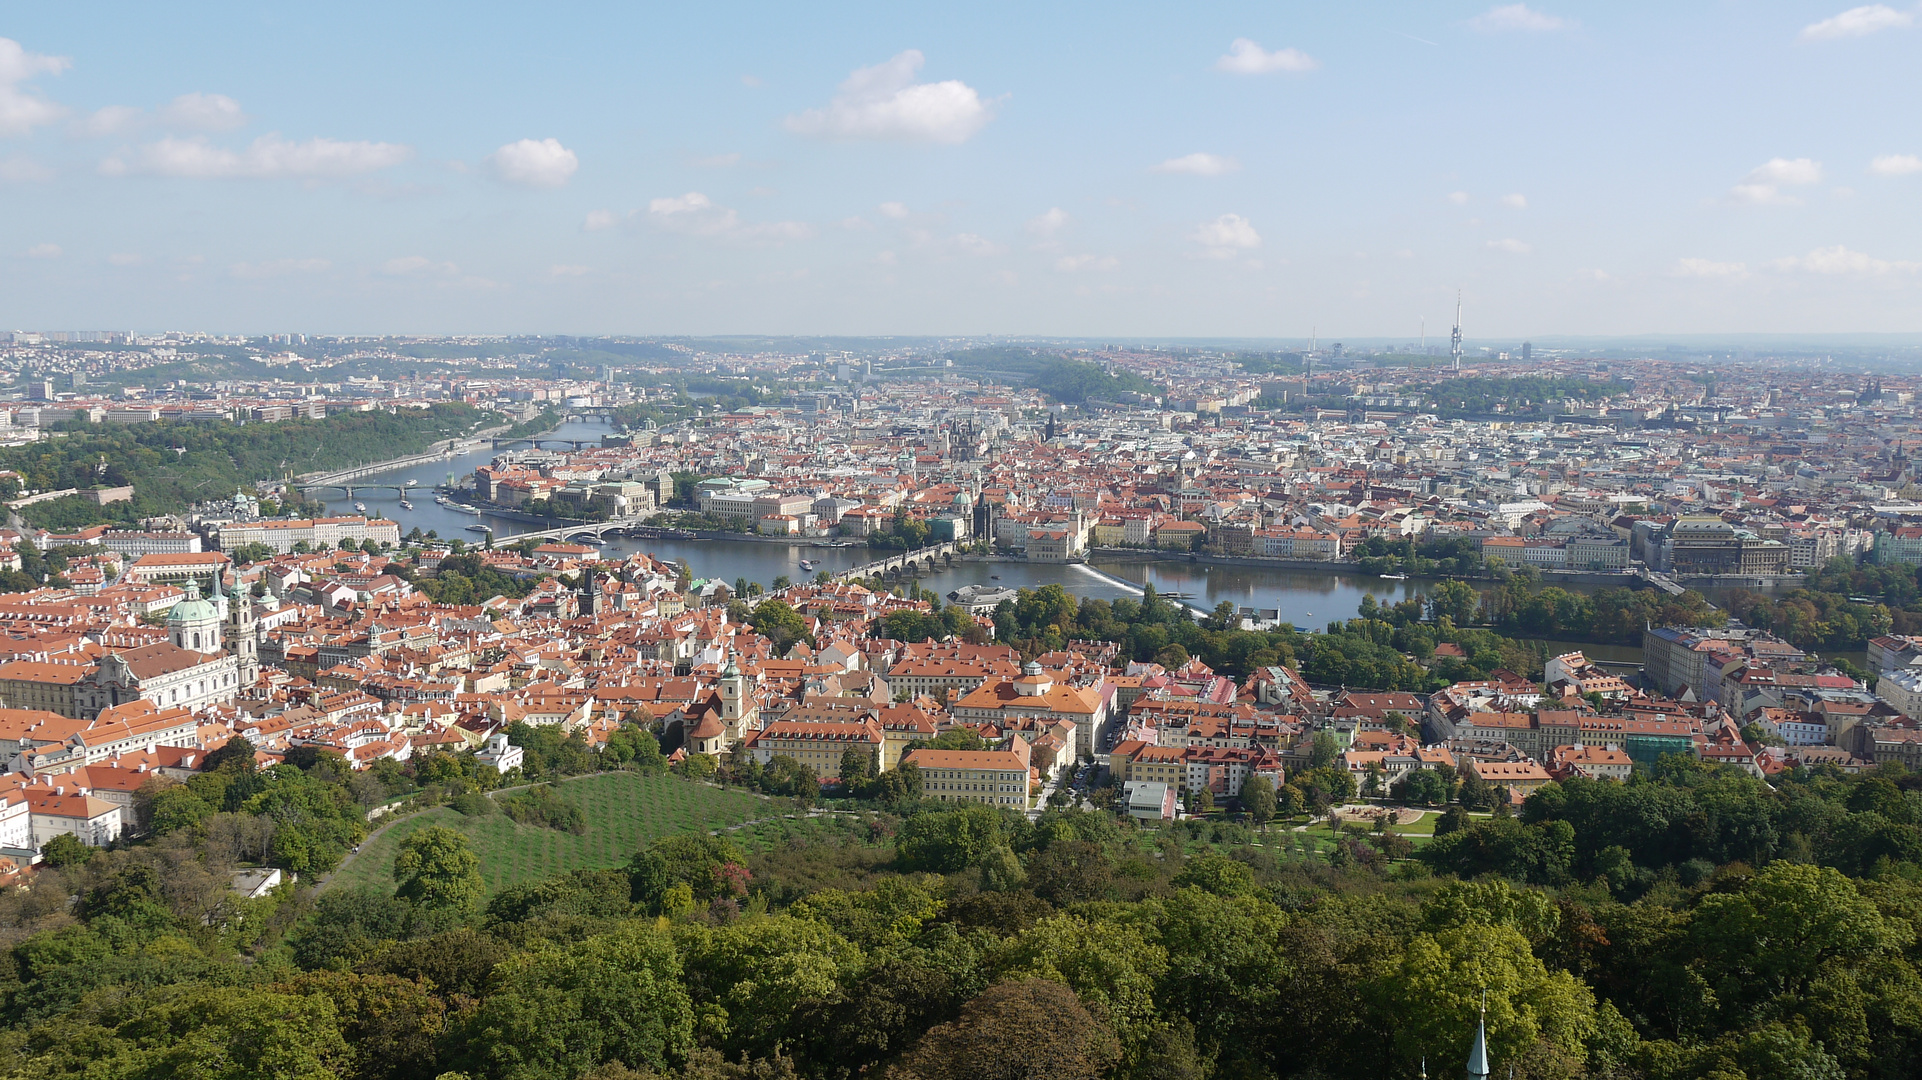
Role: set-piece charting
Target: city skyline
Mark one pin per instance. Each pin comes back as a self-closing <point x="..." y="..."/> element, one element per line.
<point x="1575" y="169"/>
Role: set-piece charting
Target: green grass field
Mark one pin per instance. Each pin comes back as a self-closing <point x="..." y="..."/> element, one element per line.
<point x="624" y="812"/>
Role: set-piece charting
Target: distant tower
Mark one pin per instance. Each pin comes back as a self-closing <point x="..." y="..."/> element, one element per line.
<point x="1455" y="339"/>
<point x="590" y="601"/>
<point x="1528" y="351"/>
<point x="243" y="639"/>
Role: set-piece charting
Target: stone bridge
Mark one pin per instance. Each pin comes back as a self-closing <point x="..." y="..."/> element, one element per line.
<point x="582" y="530"/>
<point x="924" y="560"/>
<point x="348" y="488"/>
<point x="538" y="442"/>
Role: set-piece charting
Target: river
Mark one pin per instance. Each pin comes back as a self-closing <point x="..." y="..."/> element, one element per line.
<point x="1306" y="598"/>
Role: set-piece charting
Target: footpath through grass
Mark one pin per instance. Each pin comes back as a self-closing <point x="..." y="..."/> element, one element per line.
<point x="624" y="812"/>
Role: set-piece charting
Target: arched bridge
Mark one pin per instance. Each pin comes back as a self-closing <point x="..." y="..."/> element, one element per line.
<point x="538" y="442"/>
<point x="924" y="560"/>
<point x="580" y="530"/>
<point x="349" y="488"/>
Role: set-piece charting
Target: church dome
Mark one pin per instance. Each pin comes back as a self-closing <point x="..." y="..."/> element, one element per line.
<point x="193" y="609"/>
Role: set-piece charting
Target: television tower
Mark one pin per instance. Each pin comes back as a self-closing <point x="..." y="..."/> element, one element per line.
<point x="1455" y="339"/>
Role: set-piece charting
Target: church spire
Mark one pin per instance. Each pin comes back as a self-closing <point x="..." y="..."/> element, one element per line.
<point x="1478" y="1053"/>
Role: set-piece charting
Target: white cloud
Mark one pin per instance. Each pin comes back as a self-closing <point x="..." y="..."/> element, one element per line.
<point x="600" y="219"/>
<point x="17" y="170"/>
<point x="1517" y="200"/>
<point x="884" y="102"/>
<point x="266" y="158"/>
<point x="279" y="268"/>
<point x="1245" y="57"/>
<point x="1763" y="185"/>
<point x="111" y="120"/>
<point x="692" y="212"/>
<point x="1049" y="223"/>
<point x="534" y="163"/>
<point x="566" y="270"/>
<point x="1896" y="165"/>
<point x="203" y="112"/>
<point x="1069" y="264"/>
<point x="1708" y="268"/>
<point x="21" y="111"/>
<point x="697" y="215"/>
<point x="417" y="265"/>
<point x="1198" y="165"/>
<point x="19" y="65"/>
<point x="976" y="245"/>
<point x="1839" y="260"/>
<point x="1510" y="245"/>
<point x="126" y="258"/>
<point x="1518" y="17"/>
<point x="1226" y="236"/>
<point x="894" y="210"/>
<point x="1788" y="171"/>
<point x="1858" y="22"/>
<point x="718" y="161"/>
<point x="774" y="232"/>
<point x="44" y="251"/>
<point x="1459" y="198"/>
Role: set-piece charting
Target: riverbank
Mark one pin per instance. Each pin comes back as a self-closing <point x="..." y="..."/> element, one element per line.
<point x="1625" y="578"/>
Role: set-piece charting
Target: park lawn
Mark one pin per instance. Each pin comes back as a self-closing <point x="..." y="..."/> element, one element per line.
<point x="624" y="812"/>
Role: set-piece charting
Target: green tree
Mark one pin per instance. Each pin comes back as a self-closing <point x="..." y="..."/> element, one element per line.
<point x="944" y="841"/>
<point x="709" y="866"/>
<point x="1033" y="1029"/>
<point x="1216" y="874"/>
<point x="759" y="972"/>
<point x="1258" y="798"/>
<point x="1455" y="601"/>
<point x="1420" y="787"/>
<point x="778" y="622"/>
<point x="66" y="850"/>
<point x="435" y="868"/>
<point x="1436" y="991"/>
<point x="563" y="1009"/>
<point x="1324" y="750"/>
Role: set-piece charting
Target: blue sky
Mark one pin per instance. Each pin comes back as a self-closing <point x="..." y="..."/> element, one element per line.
<point x="1085" y="169"/>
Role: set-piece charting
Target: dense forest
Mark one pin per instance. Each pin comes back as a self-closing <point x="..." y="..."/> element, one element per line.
<point x="1528" y="395"/>
<point x="1064" y="380"/>
<point x="174" y="464"/>
<point x="1694" y="924"/>
<point x="1840" y="606"/>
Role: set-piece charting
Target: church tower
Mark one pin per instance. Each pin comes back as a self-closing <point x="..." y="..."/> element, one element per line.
<point x="1478" y="1052"/>
<point x="194" y="623"/>
<point x="243" y="639"/>
<point x="738" y="711"/>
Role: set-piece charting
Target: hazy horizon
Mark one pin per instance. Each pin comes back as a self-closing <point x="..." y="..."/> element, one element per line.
<point x="1580" y="171"/>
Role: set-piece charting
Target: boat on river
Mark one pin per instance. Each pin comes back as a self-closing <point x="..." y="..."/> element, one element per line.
<point x="808" y="565"/>
<point x="405" y="505"/>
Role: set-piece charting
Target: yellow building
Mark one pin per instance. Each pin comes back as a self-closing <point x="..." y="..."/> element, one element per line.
<point x="994" y="777"/>
<point x="818" y="746"/>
